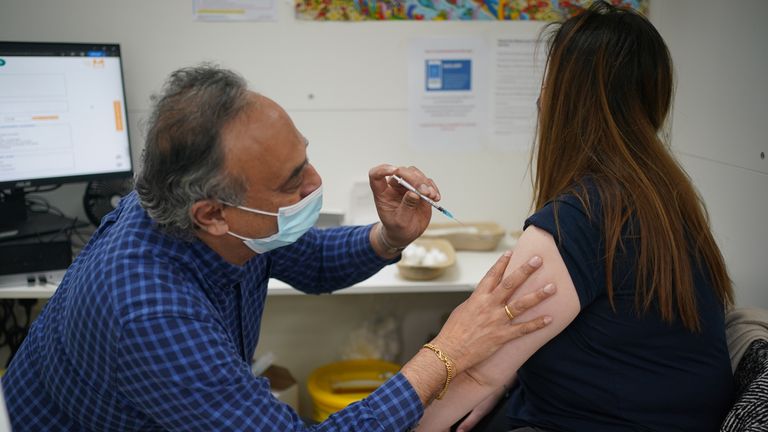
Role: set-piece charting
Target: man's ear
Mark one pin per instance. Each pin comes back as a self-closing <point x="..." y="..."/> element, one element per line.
<point x="208" y="215"/>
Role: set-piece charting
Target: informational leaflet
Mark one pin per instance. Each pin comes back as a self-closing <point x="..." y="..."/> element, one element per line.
<point x="448" y="93"/>
<point x="470" y="93"/>
<point x="516" y="76"/>
<point x="235" y="10"/>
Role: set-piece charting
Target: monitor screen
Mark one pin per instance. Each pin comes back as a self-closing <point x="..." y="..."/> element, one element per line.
<point x="62" y="113"/>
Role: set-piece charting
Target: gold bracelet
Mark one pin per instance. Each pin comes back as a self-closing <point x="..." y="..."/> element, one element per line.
<point x="450" y="368"/>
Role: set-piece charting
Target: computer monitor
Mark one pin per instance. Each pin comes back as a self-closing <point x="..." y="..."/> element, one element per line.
<point x="62" y="119"/>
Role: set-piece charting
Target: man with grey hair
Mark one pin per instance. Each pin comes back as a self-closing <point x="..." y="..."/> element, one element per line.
<point x="154" y="324"/>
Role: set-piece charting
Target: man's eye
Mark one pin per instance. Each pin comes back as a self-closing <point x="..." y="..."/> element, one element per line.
<point x="295" y="185"/>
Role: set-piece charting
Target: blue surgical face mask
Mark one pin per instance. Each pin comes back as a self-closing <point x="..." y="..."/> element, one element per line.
<point x="292" y="222"/>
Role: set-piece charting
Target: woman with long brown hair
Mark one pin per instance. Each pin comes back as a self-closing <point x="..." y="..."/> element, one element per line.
<point x="638" y="337"/>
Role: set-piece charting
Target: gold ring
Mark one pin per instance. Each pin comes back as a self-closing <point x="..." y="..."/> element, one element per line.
<point x="510" y="315"/>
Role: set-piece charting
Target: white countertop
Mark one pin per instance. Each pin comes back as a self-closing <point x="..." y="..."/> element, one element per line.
<point x="470" y="267"/>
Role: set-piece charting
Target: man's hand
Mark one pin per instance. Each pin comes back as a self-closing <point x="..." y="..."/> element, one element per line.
<point x="404" y="216"/>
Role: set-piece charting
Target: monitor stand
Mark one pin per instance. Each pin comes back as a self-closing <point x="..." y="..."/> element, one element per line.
<point x="38" y="224"/>
<point x="18" y="222"/>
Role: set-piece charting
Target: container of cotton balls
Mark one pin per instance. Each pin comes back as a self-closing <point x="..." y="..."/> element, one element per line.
<point x="426" y="259"/>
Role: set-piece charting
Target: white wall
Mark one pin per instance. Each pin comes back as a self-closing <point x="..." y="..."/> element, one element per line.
<point x="720" y="125"/>
<point x="356" y="74"/>
<point x="357" y="115"/>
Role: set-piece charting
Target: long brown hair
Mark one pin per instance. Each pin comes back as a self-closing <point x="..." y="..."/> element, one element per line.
<point x="605" y="96"/>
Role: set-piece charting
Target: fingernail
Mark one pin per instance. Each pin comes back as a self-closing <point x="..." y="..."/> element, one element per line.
<point x="508" y="253"/>
<point x="535" y="261"/>
<point x="547" y="320"/>
<point x="424" y="189"/>
<point x="549" y="289"/>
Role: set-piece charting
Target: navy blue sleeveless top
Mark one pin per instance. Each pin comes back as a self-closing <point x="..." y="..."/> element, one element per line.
<point x="619" y="370"/>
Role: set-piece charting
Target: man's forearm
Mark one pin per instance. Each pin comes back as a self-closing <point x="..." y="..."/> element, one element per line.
<point x="427" y="375"/>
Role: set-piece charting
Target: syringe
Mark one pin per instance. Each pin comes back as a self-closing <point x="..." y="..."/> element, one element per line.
<point x="440" y="208"/>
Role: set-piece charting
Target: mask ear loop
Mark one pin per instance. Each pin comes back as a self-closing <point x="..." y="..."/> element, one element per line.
<point x="238" y="236"/>
<point x="248" y="209"/>
<point x="252" y="211"/>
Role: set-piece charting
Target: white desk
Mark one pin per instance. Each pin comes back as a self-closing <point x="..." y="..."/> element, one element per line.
<point x="469" y="269"/>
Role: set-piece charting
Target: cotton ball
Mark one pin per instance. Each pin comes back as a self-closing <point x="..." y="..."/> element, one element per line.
<point x="440" y="256"/>
<point x="434" y="257"/>
<point x="429" y="261"/>
<point x="414" y="254"/>
<point x="420" y="252"/>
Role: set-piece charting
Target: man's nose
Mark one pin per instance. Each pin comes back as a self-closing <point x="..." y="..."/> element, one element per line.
<point x="312" y="181"/>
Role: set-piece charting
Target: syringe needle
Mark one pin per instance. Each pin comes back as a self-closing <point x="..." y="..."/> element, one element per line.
<point x="410" y="187"/>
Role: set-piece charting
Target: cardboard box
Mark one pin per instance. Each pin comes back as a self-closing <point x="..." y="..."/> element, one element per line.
<point x="283" y="385"/>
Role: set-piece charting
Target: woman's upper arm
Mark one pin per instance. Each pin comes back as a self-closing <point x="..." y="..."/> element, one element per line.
<point x="563" y="307"/>
<point x="476" y="384"/>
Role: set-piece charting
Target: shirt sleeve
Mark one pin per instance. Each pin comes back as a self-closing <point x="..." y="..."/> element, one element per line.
<point x="578" y="238"/>
<point x="184" y="374"/>
<point x="326" y="260"/>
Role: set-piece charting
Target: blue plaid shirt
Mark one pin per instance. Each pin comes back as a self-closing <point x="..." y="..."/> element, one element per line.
<point x="149" y="332"/>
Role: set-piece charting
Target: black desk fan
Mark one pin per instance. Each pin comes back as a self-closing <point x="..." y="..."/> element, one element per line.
<point x="103" y="196"/>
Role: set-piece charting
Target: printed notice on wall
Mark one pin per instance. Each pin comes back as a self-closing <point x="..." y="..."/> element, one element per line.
<point x="447" y="93"/>
<point x="235" y="10"/>
<point x="517" y="68"/>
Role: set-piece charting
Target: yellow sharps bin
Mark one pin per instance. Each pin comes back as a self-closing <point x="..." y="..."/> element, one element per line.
<point x="336" y="385"/>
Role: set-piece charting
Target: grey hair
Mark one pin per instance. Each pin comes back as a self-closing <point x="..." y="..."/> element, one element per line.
<point x="183" y="160"/>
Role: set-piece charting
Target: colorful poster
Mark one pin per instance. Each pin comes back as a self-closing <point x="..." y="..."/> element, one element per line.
<point x="441" y="10"/>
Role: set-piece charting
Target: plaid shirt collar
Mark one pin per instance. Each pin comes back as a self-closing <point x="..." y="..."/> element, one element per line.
<point x="213" y="267"/>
